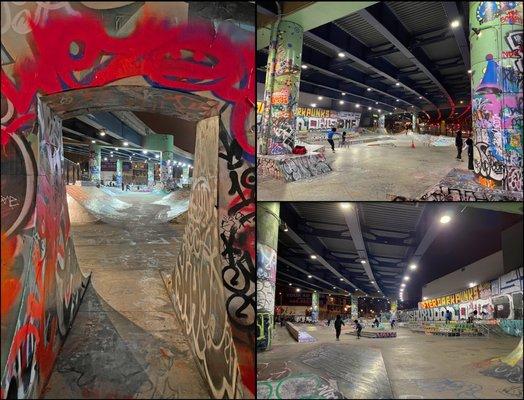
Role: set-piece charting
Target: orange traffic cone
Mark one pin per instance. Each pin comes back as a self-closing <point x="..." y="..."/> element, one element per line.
<point x="412" y="144"/>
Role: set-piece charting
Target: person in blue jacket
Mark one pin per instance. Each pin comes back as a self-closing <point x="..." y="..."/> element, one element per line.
<point x="329" y="137"/>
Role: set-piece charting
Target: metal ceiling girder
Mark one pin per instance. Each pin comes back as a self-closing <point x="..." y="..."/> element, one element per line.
<point x="322" y="63"/>
<point x="113" y="126"/>
<point x="310" y="15"/>
<point x="292" y="265"/>
<point x="340" y="41"/>
<point x="312" y="245"/>
<point x="300" y="280"/>
<point x="353" y="223"/>
<point x="384" y="20"/>
<point x="452" y="11"/>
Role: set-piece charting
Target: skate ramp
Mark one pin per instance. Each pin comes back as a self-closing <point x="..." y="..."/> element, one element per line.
<point x="508" y="368"/>
<point x="178" y="203"/>
<point x="97" y="202"/>
<point x="78" y="215"/>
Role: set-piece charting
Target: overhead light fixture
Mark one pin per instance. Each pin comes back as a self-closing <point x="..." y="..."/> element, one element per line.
<point x="376" y="102"/>
<point x="110" y="152"/>
<point x="102" y="133"/>
<point x="357" y="105"/>
<point x="372" y="281"/>
<point x="369" y="108"/>
<point x="413" y="267"/>
<point x="157" y="156"/>
<point x="289" y="283"/>
<point x="320" y="97"/>
<point x="469" y="71"/>
<point x="343" y="93"/>
<point x="362" y="261"/>
<point x="297" y="289"/>
<point x="313" y="105"/>
<point x="397" y="84"/>
<point x="126" y="144"/>
<point x="105" y="158"/>
<point x="455" y="23"/>
<point x="116" y="148"/>
<point x="397" y="100"/>
<point x="341" y="279"/>
<point x="341" y="55"/>
<point x="406" y="278"/>
<point x="420" y="97"/>
<point x="445" y="219"/>
<point x="144" y="151"/>
<point x="304" y="66"/>
<point x="379" y="110"/>
<point x="472" y="284"/>
<point x="369" y="89"/>
<point x="403" y="285"/>
<point x="424" y="298"/>
<point x="314" y="257"/>
<point x="345" y="205"/>
<point x="333" y="287"/>
<point x="310" y="276"/>
<point x="341" y="102"/>
<point x="461" y="101"/>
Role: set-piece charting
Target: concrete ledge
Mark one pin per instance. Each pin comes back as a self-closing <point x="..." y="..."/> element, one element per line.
<point x="375" y="334"/>
<point x="294" y="167"/>
<point x="298" y="335"/>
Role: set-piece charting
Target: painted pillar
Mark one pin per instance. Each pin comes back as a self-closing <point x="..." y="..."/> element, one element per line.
<point x="354" y="308"/>
<point x="314" y="306"/>
<point x="382" y="121"/>
<point x="393" y="308"/>
<point x="119" y="172"/>
<point x="496" y="91"/>
<point x="185" y="174"/>
<point x="278" y="127"/>
<point x="166" y="170"/>
<point x="150" y="174"/>
<point x="414" y="124"/>
<point x="267" y="240"/>
<point x="95" y="162"/>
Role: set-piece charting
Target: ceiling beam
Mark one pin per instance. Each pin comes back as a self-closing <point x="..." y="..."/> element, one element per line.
<point x="309" y="15"/>
<point x="452" y="11"/>
<point x="384" y="20"/>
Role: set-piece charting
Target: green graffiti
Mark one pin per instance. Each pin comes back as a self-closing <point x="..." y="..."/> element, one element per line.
<point x="511" y="326"/>
<point x="298" y="386"/>
<point x="264" y="330"/>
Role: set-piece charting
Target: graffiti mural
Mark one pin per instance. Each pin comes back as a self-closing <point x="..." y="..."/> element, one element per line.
<point x="266" y="277"/>
<point x="282" y="88"/>
<point x="497" y="100"/>
<point x="64" y="48"/>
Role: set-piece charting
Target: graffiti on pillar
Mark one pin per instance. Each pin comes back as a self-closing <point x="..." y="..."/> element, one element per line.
<point x="266" y="275"/>
<point x="69" y="48"/>
<point x="283" y="101"/>
<point x="490" y="10"/>
<point x="314" y="306"/>
<point x="264" y="329"/>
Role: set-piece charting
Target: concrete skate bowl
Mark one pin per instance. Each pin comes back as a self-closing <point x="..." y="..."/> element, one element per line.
<point x="508" y="368"/>
<point x="41" y="282"/>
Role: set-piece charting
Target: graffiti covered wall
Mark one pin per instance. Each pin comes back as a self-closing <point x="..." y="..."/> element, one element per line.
<point x="496" y="84"/>
<point x="53" y="48"/>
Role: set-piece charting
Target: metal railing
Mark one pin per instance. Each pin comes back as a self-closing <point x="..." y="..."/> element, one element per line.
<point x="71" y="171"/>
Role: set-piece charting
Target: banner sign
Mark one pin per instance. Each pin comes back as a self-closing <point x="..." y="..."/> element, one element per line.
<point x="461" y="297"/>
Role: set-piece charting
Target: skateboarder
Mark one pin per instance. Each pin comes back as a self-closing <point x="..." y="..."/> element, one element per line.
<point x="338" y="326"/>
<point x="329" y="137"/>
<point x="358" y="326"/>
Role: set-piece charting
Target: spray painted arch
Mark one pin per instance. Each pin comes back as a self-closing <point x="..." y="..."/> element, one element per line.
<point x="72" y="53"/>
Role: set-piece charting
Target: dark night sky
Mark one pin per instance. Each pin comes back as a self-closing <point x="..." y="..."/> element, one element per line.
<point x="473" y="234"/>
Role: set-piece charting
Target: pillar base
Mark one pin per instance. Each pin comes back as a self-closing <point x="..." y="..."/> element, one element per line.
<point x="294" y="167"/>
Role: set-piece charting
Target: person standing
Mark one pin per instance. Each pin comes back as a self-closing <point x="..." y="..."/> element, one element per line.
<point x="338" y="326"/>
<point x="358" y="326"/>
<point x="329" y="137"/>
<point x="448" y="316"/>
<point x="458" y="144"/>
<point x="469" y="143"/>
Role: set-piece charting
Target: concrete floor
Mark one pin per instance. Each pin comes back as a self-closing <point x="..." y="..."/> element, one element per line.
<point x="125" y="341"/>
<point x="369" y="172"/>
<point x="411" y="366"/>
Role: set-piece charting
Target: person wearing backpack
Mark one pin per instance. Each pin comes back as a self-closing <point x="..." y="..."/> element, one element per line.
<point x="338" y="326"/>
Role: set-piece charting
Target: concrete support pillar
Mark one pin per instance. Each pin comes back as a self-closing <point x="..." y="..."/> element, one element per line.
<point x="166" y="170"/>
<point x="278" y="127"/>
<point x="393" y="308"/>
<point x="354" y="308"/>
<point x="382" y="121"/>
<point x="150" y="174"/>
<point x="414" y="123"/>
<point x="119" y="172"/>
<point x="496" y="91"/>
<point x="267" y="239"/>
<point x="95" y="162"/>
<point x="314" y="306"/>
<point x="185" y="174"/>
